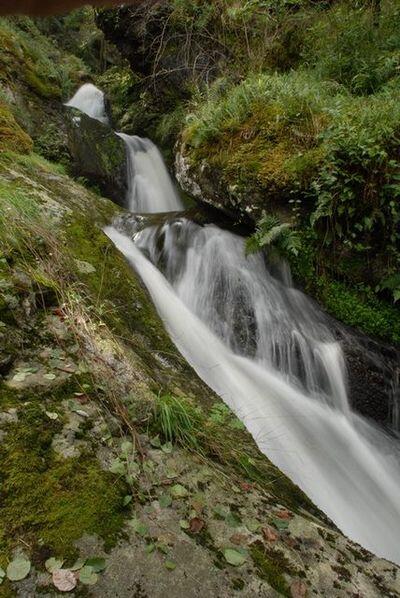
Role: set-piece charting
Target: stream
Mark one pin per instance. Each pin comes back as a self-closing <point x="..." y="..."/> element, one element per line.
<point x="263" y="347"/>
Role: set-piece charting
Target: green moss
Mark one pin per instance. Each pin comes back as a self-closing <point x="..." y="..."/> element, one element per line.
<point x="127" y="308"/>
<point x="44" y="89"/>
<point x="360" y="309"/>
<point x="271" y="565"/>
<point x="12" y="137"/>
<point x="51" y="502"/>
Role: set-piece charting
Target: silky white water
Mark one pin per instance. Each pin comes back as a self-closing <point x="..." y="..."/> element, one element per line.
<point x="347" y="467"/>
<point x="150" y="188"/>
<point x="255" y="313"/>
<point x="90" y="100"/>
<point x="265" y="348"/>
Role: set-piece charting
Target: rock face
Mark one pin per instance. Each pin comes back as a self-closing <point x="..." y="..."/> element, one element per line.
<point x="204" y="183"/>
<point x="98" y="154"/>
<point x="373" y="378"/>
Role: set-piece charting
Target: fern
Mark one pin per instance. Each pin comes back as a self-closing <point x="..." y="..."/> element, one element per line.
<point x="274" y="234"/>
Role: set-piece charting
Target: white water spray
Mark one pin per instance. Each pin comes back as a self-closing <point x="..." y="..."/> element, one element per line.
<point x="150" y="188"/>
<point x="90" y="100"/>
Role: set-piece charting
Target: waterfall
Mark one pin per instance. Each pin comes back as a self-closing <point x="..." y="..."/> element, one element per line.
<point x="150" y="188"/>
<point x="253" y="312"/>
<point x="265" y="349"/>
<point x="90" y="100"/>
<point x="349" y="468"/>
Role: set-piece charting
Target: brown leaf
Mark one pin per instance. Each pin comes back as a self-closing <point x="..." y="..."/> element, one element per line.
<point x="284" y="514"/>
<point x="298" y="589"/>
<point x="197" y="505"/>
<point x="246" y="487"/>
<point x="270" y="535"/>
<point x="57" y="311"/>
<point x="64" y="580"/>
<point x="238" y="539"/>
<point x="196" y="525"/>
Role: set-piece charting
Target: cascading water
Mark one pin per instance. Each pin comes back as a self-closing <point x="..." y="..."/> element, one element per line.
<point x="90" y="100"/>
<point x="150" y="188"/>
<point x="255" y="313"/>
<point x="349" y="468"/>
<point x="268" y="352"/>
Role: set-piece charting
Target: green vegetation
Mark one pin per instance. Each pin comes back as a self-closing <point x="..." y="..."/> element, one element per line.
<point x="203" y="430"/>
<point x="317" y="145"/>
<point x="271" y="565"/>
<point x="52" y="499"/>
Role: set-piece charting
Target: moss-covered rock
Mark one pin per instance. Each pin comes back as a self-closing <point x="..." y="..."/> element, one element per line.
<point x="99" y="154"/>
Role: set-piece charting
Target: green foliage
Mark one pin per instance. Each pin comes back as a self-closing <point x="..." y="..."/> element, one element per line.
<point x="48" y="498"/>
<point x="361" y="310"/>
<point x="30" y="56"/>
<point x="12" y="136"/>
<point x="178" y="421"/>
<point x="273" y="234"/>
<point x="354" y="46"/>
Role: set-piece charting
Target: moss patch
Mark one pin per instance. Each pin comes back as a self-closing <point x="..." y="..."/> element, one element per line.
<point x="12" y="137"/>
<point x="271" y="565"/>
<point x="50" y="502"/>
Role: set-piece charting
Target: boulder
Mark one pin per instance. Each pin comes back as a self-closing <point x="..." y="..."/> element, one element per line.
<point x="98" y="154"/>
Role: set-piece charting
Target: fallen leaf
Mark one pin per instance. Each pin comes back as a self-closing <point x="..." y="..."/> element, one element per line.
<point x="97" y="563"/>
<point x="139" y="527"/>
<point x="269" y="534"/>
<point x="298" y="589"/>
<point x="87" y="576"/>
<point x="196" y="525"/>
<point x="179" y="491"/>
<point x="64" y="580"/>
<point x="18" y="569"/>
<point x="233" y="557"/>
<point x="253" y="526"/>
<point x="150" y="548"/>
<point x="280" y="524"/>
<point x="246" y="487"/>
<point x="81" y="413"/>
<point x="127" y="500"/>
<point x="20" y="377"/>
<point x="78" y="564"/>
<point x="49" y="376"/>
<point x="51" y="415"/>
<point x="284" y="514"/>
<point x="165" y="501"/>
<point x="238" y="539"/>
<point x="117" y="467"/>
<point x="52" y="564"/>
<point x="232" y="520"/>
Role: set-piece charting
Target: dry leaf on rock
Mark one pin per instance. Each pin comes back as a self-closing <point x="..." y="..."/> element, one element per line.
<point x="64" y="580"/>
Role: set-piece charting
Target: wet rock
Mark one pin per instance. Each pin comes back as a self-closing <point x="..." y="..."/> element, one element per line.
<point x="98" y="153"/>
